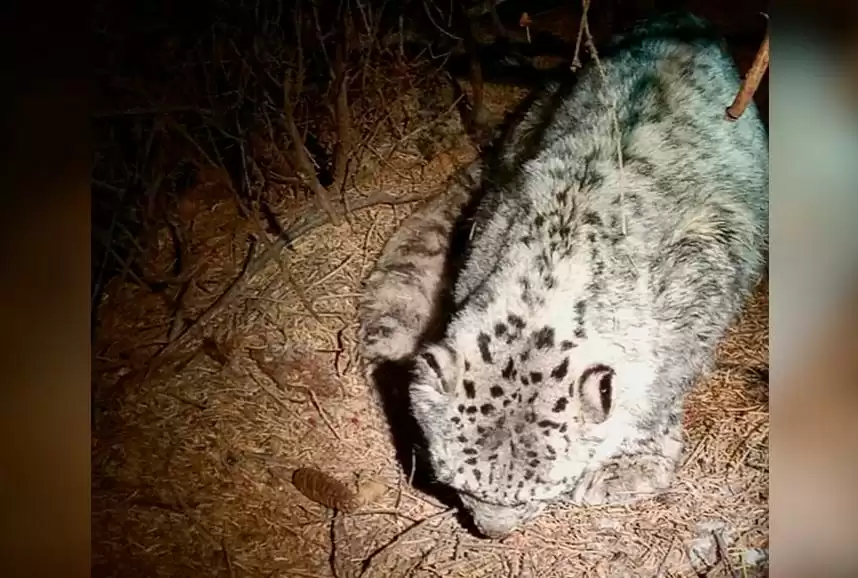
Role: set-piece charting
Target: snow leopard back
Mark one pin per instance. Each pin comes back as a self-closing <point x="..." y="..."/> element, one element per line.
<point x="402" y="300"/>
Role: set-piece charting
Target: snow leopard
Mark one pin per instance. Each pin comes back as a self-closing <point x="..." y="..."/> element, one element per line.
<point x="607" y="254"/>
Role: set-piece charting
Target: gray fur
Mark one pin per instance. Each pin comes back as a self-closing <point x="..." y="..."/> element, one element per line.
<point x="400" y="299"/>
<point x="563" y="369"/>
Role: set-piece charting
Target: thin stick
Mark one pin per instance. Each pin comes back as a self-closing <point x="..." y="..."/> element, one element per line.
<point x="659" y="570"/>
<point x="725" y="555"/>
<point x="226" y="558"/>
<point x="370" y="563"/>
<point x="311" y="395"/>
<point x="591" y="45"/>
<point x="150" y="111"/>
<point x="751" y="81"/>
<point x="332" y="558"/>
<point x="576" y="58"/>
<point x="331" y="273"/>
<point x="342" y="116"/>
<point x="391" y="513"/>
<point x="302" y="160"/>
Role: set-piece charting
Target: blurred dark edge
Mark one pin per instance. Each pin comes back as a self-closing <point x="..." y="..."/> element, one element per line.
<point x="814" y="518"/>
<point x="44" y="408"/>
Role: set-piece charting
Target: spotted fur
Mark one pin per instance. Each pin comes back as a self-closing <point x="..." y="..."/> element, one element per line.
<point x="591" y="297"/>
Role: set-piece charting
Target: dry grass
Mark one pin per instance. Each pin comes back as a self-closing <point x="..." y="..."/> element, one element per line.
<point x="193" y="471"/>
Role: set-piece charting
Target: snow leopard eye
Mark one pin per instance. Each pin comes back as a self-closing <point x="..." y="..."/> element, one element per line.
<point x="596" y="391"/>
<point x="605" y="391"/>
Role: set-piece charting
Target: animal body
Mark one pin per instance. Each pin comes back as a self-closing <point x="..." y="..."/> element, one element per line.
<point x="615" y="240"/>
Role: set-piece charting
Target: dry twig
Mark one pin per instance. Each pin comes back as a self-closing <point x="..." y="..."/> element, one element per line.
<point x="373" y="561"/>
<point x="311" y="395"/>
<point x="302" y="160"/>
<point x="751" y="81"/>
<point x="724" y="554"/>
<point x="343" y="118"/>
<point x="226" y="558"/>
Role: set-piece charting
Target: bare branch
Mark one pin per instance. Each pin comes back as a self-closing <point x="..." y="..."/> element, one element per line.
<point x="302" y="160"/>
<point x="343" y="118"/>
<point x="751" y="81"/>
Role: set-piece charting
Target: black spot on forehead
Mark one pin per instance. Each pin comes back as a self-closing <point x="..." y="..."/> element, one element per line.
<point x="469" y="388"/>
<point x="560" y="405"/>
<point x="471" y="409"/>
<point x="478" y="475"/>
<point x="508" y="370"/>
<point x="524" y="380"/>
<point x="487" y="409"/>
<point x="462" y="439"/>
<point x="483" y="341"/>
<point x="566" y="345"/>
<point x="544" y="338"/>
<point x="516" y="321"/>
<point x="461" y="408"/>
<point x="592" y="218"/>
<point x="536" y="376"/>
<point x="496" y="391"/>
<point x="580" y="308"/>
<point x="580" y="333"/>
<point x="471" y="461"/>
<point x="561" y="370"/>
<point x="467" y="365"/>
<point x="470" y="451"/>
<point x="500" y="329"/>
<point x="547" y="423"/>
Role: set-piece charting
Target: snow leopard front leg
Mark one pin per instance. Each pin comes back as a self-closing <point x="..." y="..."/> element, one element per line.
<point x="401" y="297"/>
<point x="645" y="468"/>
